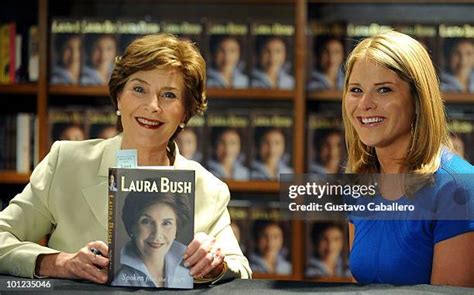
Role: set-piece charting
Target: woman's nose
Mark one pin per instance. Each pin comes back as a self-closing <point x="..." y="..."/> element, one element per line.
<point x="154" y="104"/>
<point x="367" y="102"/>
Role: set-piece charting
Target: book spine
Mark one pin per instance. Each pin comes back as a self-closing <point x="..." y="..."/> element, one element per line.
<point x="12" y="52"/>
<point x="23" y="143"/>
<point x="110" y="235"/>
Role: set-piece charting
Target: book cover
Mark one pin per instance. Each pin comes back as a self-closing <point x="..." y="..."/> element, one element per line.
<point x="191" y="139"/>
<point x="151" y="222"/>
<point x="325" y="142"/>
<point x="228" y="55"/>
<point x="457" y="67"/>
<point x="227" y="151"/>
<point x="131" y="29"/>
<point x="272" y="55"/>
<point x="239" y="211"/>
<point x="326" y="56"/>
<point x="101" y="123"/>
<point x="355" y="32"/>
<point x="66" y="51"/>
<point x="269" y="246"/>
<point x="461" y="127"/>
<point x="100" y="49"/>
<point x="190" y="30"/>
<point x="271" y="152"/>
<point x="426" y="34"/>
<point x="327" y="250"/>
<point x="67" y="124"/>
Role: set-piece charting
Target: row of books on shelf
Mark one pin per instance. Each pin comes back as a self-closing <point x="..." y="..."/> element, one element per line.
<point x="18" y="142"/>
<point x="265" y="237"/>
<point x="19" y="55"/>
<point x="252" y="54"/>
<point x="237" y="144"/>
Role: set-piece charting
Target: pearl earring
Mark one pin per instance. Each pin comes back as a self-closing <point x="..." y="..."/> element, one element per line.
<point x="182" y="125"/>
<point x="117" y="112"/>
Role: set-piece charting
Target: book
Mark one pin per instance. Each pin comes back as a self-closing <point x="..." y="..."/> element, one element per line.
<point x="269" y="247"/>
<point x="151" y="222"/>
<point x="131" y="29"/>
<point x="355" y="32"/>
<point x="271" y="152"/>
<point x="33" y="54"/>
<point x="325" y="141"/>
<point x="66" y="51"/>
<point x="227" y="151"/>
<point x="426" y="34"/>
<point x="326" y="56"/>
<point x="8" y="53"/>
<point x="101" y="123"/>
<point x="190" y="30"/>
<point x="461" y="127"/>
<point x="457" y="47"/>
<point x="67" y="124"/>
<point x="191" y="139"/>
<point x="239" y="211"/>
<point x="100" y="49"/>
<point x="227" y="55"/>
<point x="327" y="250"/>
<point x="272" y="55"/>
<point x="24" y="134"/>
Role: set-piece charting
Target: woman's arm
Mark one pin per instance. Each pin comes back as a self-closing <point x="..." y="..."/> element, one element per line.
<point x="453" y="261"/>
<point x="26" y="220"/>
<point x="351" y="240"/>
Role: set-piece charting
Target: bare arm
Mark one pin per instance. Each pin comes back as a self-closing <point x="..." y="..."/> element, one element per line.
<point x="453" y="261"/>
<point x="351" y="240"/>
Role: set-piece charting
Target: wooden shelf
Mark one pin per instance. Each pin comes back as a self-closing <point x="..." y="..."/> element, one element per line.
<point x="326" y="95"/>
<point x="13" y="177"/>
<point x="212" y="93"/>
<point x="458" y="97"/>
<point x="78" y="90"/>
<point x="28" y="88"/>
<point x="252" y="94"/>
<point x="254" y="186"/>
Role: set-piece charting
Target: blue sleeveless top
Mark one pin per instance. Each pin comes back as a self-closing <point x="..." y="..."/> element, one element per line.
<point x="401" y="251"/>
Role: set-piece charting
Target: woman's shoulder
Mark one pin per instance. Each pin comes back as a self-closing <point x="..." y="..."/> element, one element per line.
<point x="453" y="164"/>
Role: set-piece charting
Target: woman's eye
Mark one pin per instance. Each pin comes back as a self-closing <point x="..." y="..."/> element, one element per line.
<point x="145" y="221"/>
<point x="385" y="89"/>
<point x="167" y="223"/>
<point x="169" y="95"/>
<point x="355" y="90"/>
<point x="138" y="89"/>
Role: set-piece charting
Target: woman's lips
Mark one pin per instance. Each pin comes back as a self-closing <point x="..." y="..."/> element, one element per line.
<point x="370" y="121"/>
<point x="148" y="123"/>
<point x="155" y="245"/>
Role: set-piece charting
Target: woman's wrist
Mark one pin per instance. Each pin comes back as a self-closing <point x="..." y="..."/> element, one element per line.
<point x="49" y="265"/>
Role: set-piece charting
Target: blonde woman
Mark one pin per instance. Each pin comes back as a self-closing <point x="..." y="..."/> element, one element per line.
<point x="395" y="123"/>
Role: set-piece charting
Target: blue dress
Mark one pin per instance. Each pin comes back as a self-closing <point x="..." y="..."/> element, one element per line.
<point x="401" y="251"/>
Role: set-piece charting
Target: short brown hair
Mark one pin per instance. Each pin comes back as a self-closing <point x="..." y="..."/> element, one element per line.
<point x="163" y="51"/>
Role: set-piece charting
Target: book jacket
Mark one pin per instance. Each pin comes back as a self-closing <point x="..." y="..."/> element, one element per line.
<point x="151" y="222"/>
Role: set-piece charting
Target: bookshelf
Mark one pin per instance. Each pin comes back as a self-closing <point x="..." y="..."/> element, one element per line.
<point x="300" y="12"/>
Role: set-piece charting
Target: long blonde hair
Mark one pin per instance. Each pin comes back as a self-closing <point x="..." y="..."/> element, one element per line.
<point x="410" y="60"/>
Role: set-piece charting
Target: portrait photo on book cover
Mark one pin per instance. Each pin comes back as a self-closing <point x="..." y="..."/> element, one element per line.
<point x="151" y="233"/>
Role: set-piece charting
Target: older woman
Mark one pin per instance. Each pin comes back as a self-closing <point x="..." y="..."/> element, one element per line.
<point x="395" y="123"/>
<point x="156" y="87"/>
<point x="153" y="255"/>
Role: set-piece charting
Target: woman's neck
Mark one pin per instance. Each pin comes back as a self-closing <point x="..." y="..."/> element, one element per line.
<point x="392" y="158"/>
